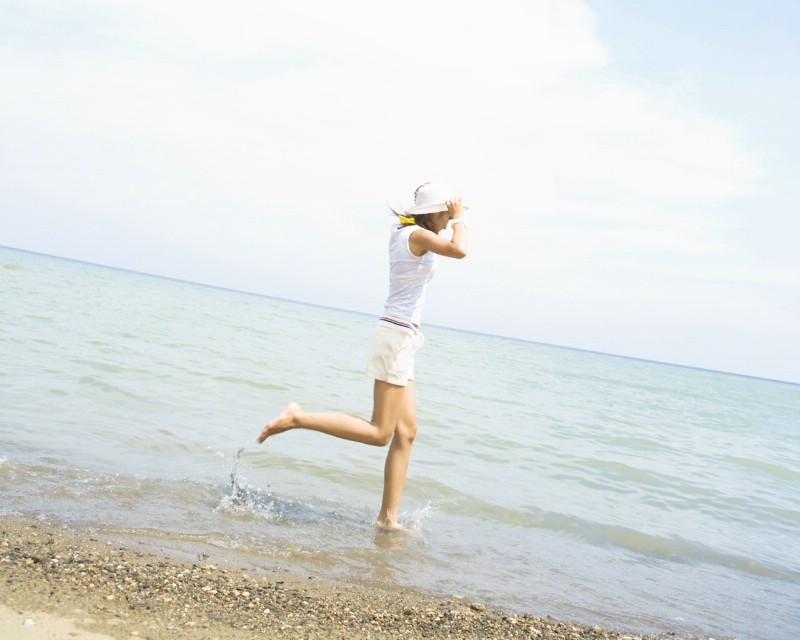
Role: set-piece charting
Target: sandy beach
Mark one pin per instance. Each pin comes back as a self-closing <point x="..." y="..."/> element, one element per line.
<point x="56" y="582"/>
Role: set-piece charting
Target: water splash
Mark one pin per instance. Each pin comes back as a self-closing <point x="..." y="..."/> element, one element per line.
<point x="239" y="496"/>
<point x="243" y="498"/>
<point x="238" y="490"/>
<point x="415" y="520"/>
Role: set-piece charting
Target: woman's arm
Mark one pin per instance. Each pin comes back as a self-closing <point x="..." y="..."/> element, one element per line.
<point x="423" y="240"/>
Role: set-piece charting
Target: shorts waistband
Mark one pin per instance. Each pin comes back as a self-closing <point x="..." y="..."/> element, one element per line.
<point x="398" y="323"/>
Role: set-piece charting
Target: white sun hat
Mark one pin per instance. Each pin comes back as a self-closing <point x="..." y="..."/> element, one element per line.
<point x="432" y="197"/>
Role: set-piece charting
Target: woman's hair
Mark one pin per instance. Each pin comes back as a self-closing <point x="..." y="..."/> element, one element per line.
<point x="421" y="220"/>
<point x="425" y="222"/>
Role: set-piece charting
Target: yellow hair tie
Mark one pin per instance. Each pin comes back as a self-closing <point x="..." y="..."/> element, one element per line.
<point x="406" y="219"/>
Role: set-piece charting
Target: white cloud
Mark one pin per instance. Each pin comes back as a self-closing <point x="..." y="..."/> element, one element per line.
<point x="251" y="135"/>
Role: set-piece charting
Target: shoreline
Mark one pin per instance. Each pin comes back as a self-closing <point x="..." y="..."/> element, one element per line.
<point x="91" y="585"/>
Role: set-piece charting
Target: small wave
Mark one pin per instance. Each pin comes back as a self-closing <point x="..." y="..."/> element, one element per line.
<point x="262" y="386"/>
<point x="107" y="387"/>
<point x="671" y="548"/>
<point x="105" y="367"/>
<point x="775" y="470"/>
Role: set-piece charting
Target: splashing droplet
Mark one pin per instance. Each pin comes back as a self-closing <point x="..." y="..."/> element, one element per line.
<point x="239" y="495"/>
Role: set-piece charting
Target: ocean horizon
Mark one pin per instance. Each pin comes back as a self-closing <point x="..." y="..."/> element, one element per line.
<point x="372" y="315"/>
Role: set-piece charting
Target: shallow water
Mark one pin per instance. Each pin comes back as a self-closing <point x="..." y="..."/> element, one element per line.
<point x="579" y="485"/>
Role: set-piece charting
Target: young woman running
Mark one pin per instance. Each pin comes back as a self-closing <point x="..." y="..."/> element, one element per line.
<point x="413" y="246"/>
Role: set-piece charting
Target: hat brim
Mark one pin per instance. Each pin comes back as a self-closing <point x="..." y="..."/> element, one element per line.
<point x="430" y="208"/>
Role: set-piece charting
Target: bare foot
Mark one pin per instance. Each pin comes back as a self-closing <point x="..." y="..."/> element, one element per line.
<point x="395" y="531"/>
<point x="285" y="421"/>
<point x="387" y="522"/>
<point x="389" y="527"/>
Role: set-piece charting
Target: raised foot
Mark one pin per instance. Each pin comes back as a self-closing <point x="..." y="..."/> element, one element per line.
<point x="287" y="419"/>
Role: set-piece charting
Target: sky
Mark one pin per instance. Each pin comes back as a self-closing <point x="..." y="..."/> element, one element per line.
<point x="630" y="165"/>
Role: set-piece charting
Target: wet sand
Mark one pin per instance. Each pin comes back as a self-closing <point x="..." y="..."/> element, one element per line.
<point x="56" y="582"/>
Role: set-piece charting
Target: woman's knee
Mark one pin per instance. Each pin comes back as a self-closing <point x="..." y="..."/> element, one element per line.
<point x="404" y="434"/>
<point x="406" y="431"/>
<point x="384" y="433"/>
<point x="383" y="438"/>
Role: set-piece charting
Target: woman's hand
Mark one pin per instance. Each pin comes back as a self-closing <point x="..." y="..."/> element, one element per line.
<point x="454" y="208"/>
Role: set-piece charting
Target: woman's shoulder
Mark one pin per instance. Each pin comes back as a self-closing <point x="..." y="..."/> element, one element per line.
<point x="400" y="242"/>
<point x="404" y="231"/>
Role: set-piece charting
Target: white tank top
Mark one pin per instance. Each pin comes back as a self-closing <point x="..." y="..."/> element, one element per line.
<point x="408" y="277"/>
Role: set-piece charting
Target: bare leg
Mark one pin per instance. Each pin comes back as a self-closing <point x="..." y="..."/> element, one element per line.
<point x="387" y="408"/>
<point x="394" y="473"/>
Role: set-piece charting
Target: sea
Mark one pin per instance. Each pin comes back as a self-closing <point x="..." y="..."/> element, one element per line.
<point x="587" y="487"/>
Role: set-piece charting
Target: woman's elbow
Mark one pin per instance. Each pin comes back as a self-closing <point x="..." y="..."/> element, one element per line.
<point x="459" y="253"/>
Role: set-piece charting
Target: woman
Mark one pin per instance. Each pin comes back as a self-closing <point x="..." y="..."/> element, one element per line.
<point x="413" y="246"/>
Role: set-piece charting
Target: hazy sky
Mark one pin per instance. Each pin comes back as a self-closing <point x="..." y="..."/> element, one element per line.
<point x="631" y="165"/>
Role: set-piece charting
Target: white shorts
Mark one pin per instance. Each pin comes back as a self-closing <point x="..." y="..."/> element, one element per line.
<point x="391" y="352"/>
